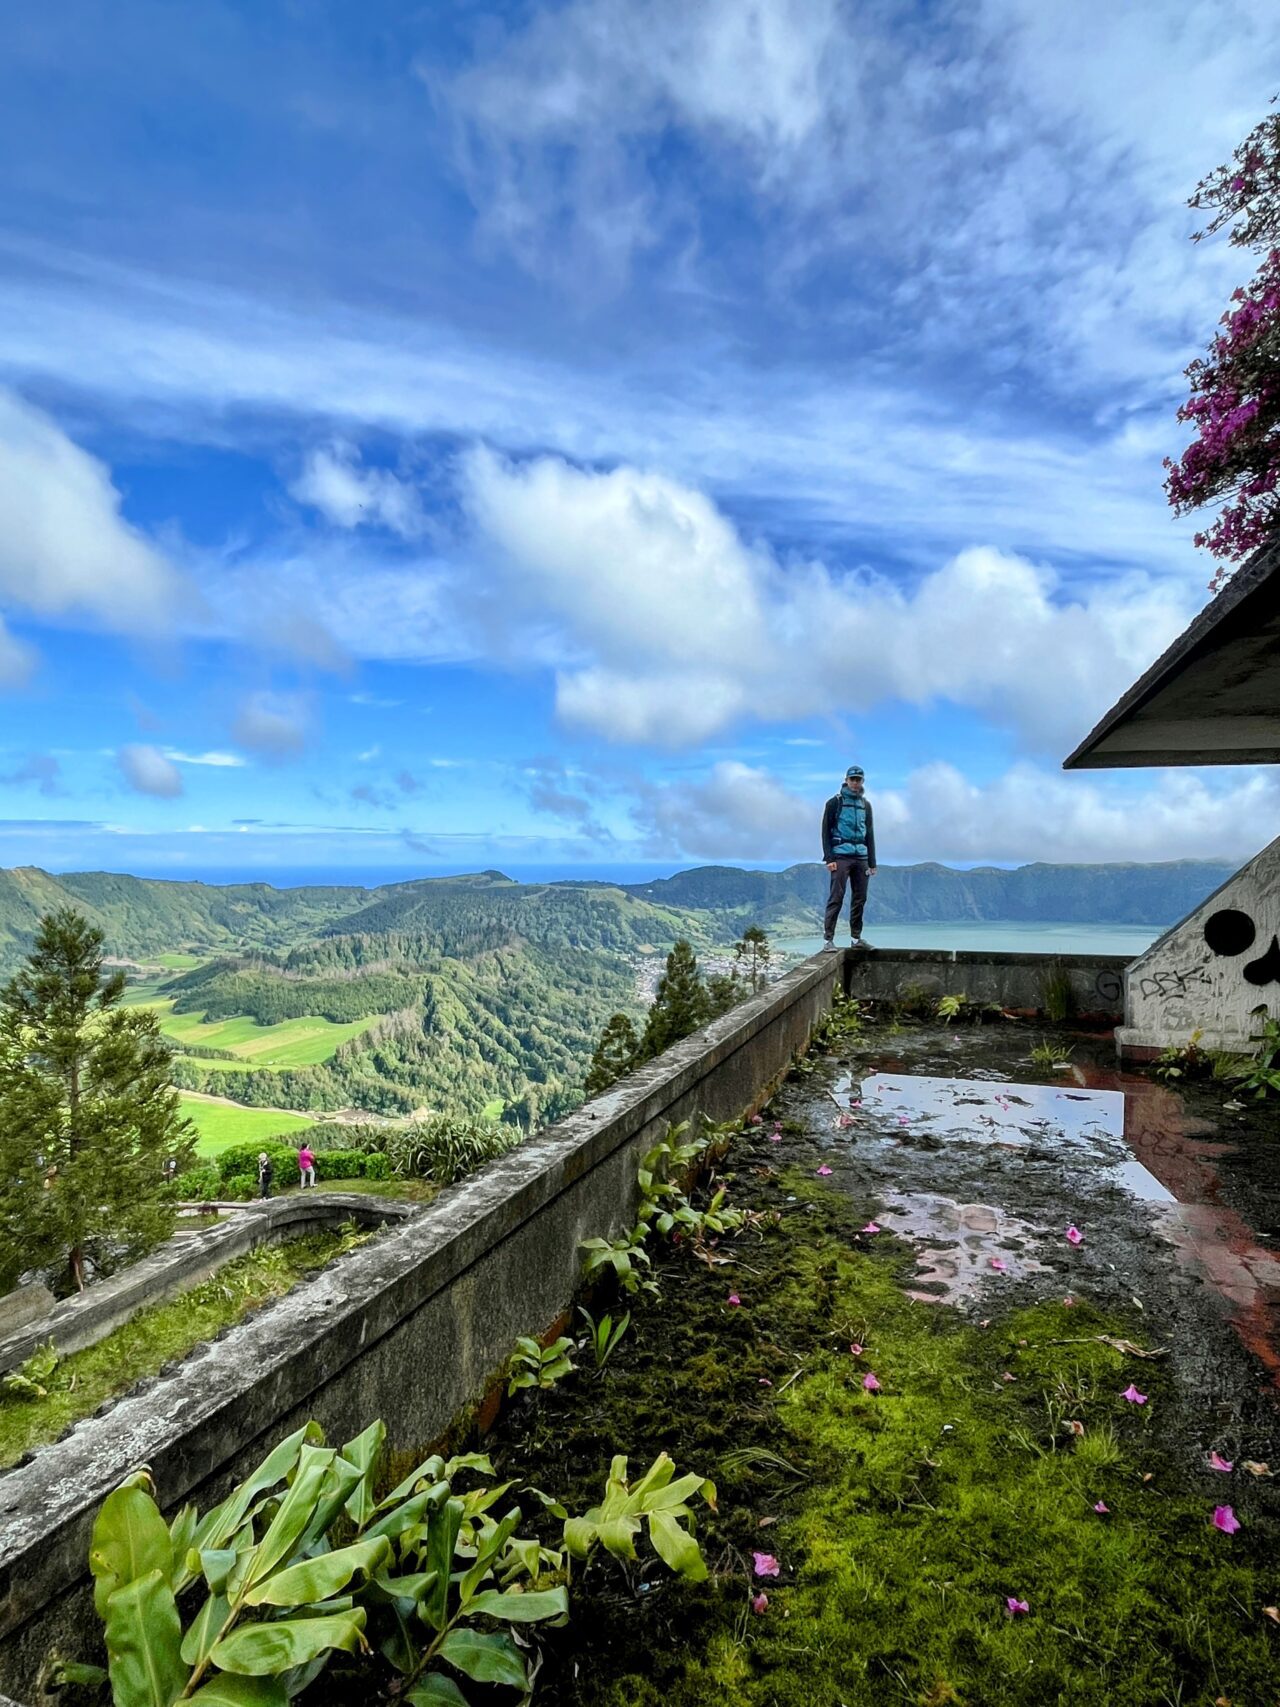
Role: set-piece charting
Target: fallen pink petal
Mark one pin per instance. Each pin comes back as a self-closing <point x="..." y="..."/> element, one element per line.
<point x="1007" y="1377"/>
<point x="1016" y="1606"/>
<point x="1217" y="1463"/>
<point x="856" y="1349"/>
<point x="766" y="1565"/>
<point x="1102" y="1509"/>
<point x="734" y="1299"/>
<point x="765" y="1381"/>
<point x="870" y="1383"/>
<point x="1069" y="1303"/>
<point x="775" y="1137"/>
<point x="823" y="1172"/>
<point x="1075" y="1236"/>
<point x="757" y="1119"/>
<point x="1133" y="1395"/>
<point x="760" y="1602"/>
<point x="999" y="1264"/>
<point x="1225" y="1519"/>
<point x="871" y="1227"/>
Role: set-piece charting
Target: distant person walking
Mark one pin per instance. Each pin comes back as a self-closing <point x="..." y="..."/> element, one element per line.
<point x="307" y="1166"/>
<point x="266" y="1172"/>
<point x="849" y="849"/>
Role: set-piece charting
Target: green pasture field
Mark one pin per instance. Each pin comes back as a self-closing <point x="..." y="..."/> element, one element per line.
<point x="291" y="1043"/>
<point x="176" y="962"/>
<point x="220" y="1126"/>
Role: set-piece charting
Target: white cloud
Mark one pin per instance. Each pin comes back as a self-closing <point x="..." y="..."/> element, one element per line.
<point x="219" y="761"/>
<point x="680" y="629"/>
<point x="16" y="660"/>
<point x="148" y="771"/>
<point x="349" y="495"/>
<point x="273" y="725"/>
<point x="64" y="545"/>
<point x="743" y="813"/>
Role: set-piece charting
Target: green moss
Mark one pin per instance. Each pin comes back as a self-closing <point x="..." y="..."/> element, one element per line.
<point x="156" y="1336"/>
<point x="902" y="1518"/>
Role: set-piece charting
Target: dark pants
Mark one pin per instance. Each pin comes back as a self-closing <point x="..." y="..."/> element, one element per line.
<point x="854" y="873"/>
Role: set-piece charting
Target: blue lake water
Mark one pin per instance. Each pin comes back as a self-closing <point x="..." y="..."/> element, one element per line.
<point x="1006" y="936"/>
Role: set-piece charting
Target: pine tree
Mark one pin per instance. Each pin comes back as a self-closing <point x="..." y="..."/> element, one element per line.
<point x="751" y="957"/>
<point x="88" y="1118"/>
<point x="680" y="1005"/>
<point x="724" y="991"/>
<point x="615" y="1055"/>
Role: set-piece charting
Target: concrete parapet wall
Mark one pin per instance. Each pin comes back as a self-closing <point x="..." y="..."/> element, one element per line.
<point x="409" y="1328"/>
<point x="1016" y="981"/>
<point x="182" y="1263"/>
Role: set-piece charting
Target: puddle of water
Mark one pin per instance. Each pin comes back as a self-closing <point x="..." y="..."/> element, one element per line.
<point x="979" y="1111"/>
<point x="956" y="1244"/>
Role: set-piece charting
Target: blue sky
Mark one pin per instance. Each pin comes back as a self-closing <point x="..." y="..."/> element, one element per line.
<point x="570" y="433"/>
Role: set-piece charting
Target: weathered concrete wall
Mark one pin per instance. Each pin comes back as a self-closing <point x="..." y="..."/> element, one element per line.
<point x="409" y="1328"/>
<point x="1212" y="970"/>
<point x="19" y="1308"/>
<point x="1016" y="981"/>
<point x="184" y="1262"/>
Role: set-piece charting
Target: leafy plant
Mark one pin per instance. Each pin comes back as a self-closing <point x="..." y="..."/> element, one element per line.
<point x="1183" y="1061"/>
<point x="950" y="1007"/>
<point x="1262" y="1075"/>
<point x="32" y="1380"/>
<point x="625" y="1256"/>
<point x="605" y="1335"/>
<point x="1056" y="995"/>
<point x="1049" y="1054"/>
<point x="534" y="1365"/>
<point x="660" y="1501"/>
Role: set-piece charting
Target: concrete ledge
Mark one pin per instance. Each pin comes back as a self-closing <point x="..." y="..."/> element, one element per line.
<point x="1014" y="980"/>
<point x="183" y="1262"/>
<point x="409" y="1328"/>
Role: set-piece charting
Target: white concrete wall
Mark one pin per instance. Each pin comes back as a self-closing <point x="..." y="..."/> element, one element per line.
<point x="1192" y="981"/>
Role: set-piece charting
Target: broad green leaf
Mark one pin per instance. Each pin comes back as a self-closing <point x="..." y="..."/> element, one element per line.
<point x="442" y="1538"/>
<point x="516" y="1608"/>
<point x="579" y="1534"/>
<point x="319" y="1578"/>
<point x="409" y="1588"/>
<point x="488" y="1552"/>
<point x="436" y="1691"/>
<point x="228" y="1690"/>
<point x="226" y="1518"/>
<point x="676" y="1547"/>
<point x="130" y="1540"/>
<point x="551" y="1503"/>
<point x="342" y="1480"/>
<point x="676" y="1493"/>
<point x="296" y="1511"/>
<point x="72" y="1671"/>
<point x="365" y="1452"/>
<point x="182" y="1533"/>
<point x="205" y="1628"/>
<point x="144" y="1640"/>
<point x="617" y="1536"/>
<point x="431" y="1471"/>
<point x="485" y="1659"/>
<point x="265" y="1650"/>
<point x="216" y="1565"/>
<point x="478" y="1461"/>
<point x="406" y="1516"/>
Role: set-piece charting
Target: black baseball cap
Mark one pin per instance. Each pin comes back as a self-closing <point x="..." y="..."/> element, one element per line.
<point x="856" y="771"/>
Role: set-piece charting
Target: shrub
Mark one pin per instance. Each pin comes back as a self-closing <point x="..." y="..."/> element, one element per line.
<point x="240" y="1162"/>
<point x="240" y="1187"/>
<point x="198" y="1185"/>
<point x="443" y="1147"/>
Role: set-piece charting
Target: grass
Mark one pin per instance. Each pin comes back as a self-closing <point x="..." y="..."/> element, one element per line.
<point x="80" y="1383"/>
<point x="218" y="1126"/>
<point x="291" y="1043"/>
<point x="493" y="1110"/>
<point x="176" y="962"/>
<point x="902" y="1519"/>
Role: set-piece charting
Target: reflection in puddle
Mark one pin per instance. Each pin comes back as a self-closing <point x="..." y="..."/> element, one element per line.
<point x="1056" y="1118"/>
<point x="956" y="1244"/>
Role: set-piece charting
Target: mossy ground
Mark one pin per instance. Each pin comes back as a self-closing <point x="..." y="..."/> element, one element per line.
<point x="159" y="1335"/>
<point x="902" y="1519"/>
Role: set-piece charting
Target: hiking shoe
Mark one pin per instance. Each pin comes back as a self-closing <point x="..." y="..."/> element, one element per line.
<point x="859" y="942"/>
<point x="828" y="945"/>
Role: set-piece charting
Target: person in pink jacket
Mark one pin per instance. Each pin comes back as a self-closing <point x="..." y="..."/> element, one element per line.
<point x="307" y="1165"/>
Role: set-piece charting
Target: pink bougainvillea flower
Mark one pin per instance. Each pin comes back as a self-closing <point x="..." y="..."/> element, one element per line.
<point x="757" y="1119"/>
<point x="1133" y="1395"/>
<point x="856" y="1349"/>
<point x="765" y="1381"/>
<point x="872" y="1227"/>
<point x="1074" y="1236"/>
<point x="999" y="1264"/>
<point x="1216" y="1463"/>
<point x="903" y="1121"/>
<point x="855" y="1102"/>
<point x="766" y="1565"/>
<point x="1102" y="1509"/>
<point x="1225" y="1519"/>
<point x="1016" y="1606"/>
<point x="775" y="1137"/>
<point x="1069" y="1303"/>
<point x="823" y="1171"/>
<point x="760" y="1602"/>
<point x="870" y="1383"/>
<point x="734" y="1299"/>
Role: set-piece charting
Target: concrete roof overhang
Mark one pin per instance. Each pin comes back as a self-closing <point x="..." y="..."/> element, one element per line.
<point x="1214" y="697"/>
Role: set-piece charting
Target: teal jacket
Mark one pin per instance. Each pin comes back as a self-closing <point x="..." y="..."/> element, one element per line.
<point x="848" y="828"/>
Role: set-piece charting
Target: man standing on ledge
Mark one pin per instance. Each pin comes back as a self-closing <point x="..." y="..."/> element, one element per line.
<point x="849" y="849"/>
